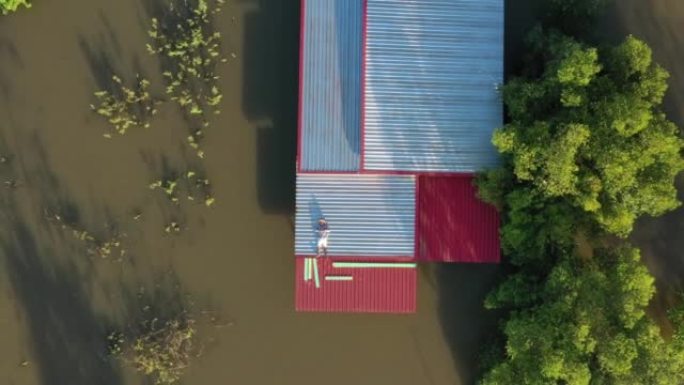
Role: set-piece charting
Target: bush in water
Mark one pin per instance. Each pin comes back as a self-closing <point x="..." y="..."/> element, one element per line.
<point x="125" y="107"/>
<point x="7" y="6"/>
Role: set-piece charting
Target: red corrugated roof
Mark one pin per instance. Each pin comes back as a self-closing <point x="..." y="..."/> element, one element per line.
<point x="371" y="290"/>
<point x="453" y="225"/>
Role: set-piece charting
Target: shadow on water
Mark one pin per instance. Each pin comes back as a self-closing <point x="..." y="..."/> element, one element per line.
<point x="462" y="288"/>
<point x="66" y="333"/>
<point x="67" y="336"/>
<point x="270" y="86"/>
<point x="519" y="18"/>
<point x="101" y="60"/>
<point x="467" y="326"/>
<point x="9" y="50"/>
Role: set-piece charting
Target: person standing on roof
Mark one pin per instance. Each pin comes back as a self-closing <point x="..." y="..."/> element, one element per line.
<point x="323" y="233"/>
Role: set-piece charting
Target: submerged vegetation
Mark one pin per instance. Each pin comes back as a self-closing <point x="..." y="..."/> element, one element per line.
<point x="161" y="342"/>
<point x="587" y="151"/>
<point x="7" y="6"/>
<point x="191" y="184"/>
<point x="190" y="51"/>
<point x="102" y="247"/>
<point x="126" y="107"/>
<point x="164" y="352"/>
<point x="161" y="352"/>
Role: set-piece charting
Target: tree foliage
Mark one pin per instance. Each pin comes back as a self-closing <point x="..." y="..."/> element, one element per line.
<point x="585" y="324"/>
<point x="588" y="130"/>
<point x="586" y="151"/>
<point x="7" y="6"/>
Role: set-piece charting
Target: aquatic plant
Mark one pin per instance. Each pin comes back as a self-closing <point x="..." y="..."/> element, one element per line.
<point x="168" y="186"/>
<point x="192" y="184"/>
<point x="125" y="107"/>
<point x="161" y="352"/>
<point x="115" y="343"/>
<point x="190" y="51"/>
<point x="102" y="247"/>
<point x="7" y="6"/>
<point x="165" y="353"/>
<point x="172" y="227"/>
<point x="193" y="142"/>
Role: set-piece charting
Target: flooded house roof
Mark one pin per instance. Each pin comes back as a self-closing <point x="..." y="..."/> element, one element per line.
<point x="330" y="94"/>
<point x="379" y="288"/>
<point x="431" y="76"/>
<point x="369" y="215"/>
<point x="398" y="102"/>
<point x="452" y="224"/>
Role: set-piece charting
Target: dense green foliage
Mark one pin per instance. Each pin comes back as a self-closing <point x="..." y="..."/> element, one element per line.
<point x="586" y="143"/>
<point x="585" y="324"/>
<point x="587" y="150"/>
<point x="7" y="6"/>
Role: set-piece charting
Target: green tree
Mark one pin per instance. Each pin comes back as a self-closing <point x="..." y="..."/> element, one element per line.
<point x="586" y="151"/>
<point x="7" y="6"/>
<point x="588" y="131"/>
<point x="584" y="324"/>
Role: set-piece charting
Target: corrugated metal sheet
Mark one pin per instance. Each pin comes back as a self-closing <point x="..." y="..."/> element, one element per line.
<point x="431" y="72"/>
<point x="369" y="215"/>
<point x="331" y="85"/>
<point x="375" y="290"/>
<point x="453" y="224"/>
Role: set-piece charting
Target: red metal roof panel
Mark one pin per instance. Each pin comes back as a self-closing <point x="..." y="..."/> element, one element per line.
<point x="453" y="225"/>
<point x="370" y="290"/>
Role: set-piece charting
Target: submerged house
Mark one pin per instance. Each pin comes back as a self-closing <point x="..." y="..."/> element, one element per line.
<point x="398" y="101"/>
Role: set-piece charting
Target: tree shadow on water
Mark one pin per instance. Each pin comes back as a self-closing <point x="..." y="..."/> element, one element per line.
<point x="270" y="88"/>
<point x="467" y="326"/>
<point x="67" y="335"/>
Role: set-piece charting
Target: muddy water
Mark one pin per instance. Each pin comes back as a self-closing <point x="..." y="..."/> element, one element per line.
<point x="234" y="260"/>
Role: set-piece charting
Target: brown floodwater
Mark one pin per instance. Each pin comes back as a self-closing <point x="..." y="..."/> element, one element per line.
<point x="233" y="263"/>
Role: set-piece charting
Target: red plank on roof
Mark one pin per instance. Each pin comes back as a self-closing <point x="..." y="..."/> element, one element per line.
<point x="371" y="290"/>
<point x="453" y="225"/>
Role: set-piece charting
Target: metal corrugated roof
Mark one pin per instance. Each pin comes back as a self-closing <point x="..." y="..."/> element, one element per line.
<point x="369" y="215"/>
<point x="375" y="290"/>
<point x="431" y="75"/>
<point x="453" y="224"/>
<point x="331" y="85"/>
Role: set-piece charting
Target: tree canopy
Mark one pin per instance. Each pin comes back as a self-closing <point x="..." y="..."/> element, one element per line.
<point x="586" y="324"/>
<point x="586" y="134"/>
<point x="7" y="6"/>
<point x="586" y="151"/>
